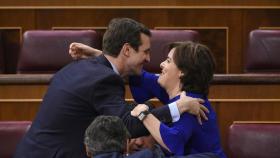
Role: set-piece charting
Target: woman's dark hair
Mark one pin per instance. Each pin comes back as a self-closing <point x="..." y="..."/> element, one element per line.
<point x="197" y="64"/>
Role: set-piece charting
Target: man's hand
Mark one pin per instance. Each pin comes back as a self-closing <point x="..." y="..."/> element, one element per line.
<point x="193" y="106"/>
<point x="81" y="51"/>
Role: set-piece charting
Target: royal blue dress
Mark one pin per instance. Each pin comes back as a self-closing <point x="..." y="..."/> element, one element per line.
<point x="186" y="136"/>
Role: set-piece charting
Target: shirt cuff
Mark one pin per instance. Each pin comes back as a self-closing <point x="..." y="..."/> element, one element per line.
<point x="174" y="111"/>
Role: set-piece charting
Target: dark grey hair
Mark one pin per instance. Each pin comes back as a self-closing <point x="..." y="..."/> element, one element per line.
<point x="106" y="134"/>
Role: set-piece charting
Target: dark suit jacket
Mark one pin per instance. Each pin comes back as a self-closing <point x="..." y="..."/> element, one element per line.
<point x="140" y="154"/>
<point x="77" y="94"/>
<point x="147" y="153"/>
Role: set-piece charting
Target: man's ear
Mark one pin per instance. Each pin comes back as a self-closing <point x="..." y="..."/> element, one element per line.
<point x="89" y="154"/>
<point x="126" y="50"/>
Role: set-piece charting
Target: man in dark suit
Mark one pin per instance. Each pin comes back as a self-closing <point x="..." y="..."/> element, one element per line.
<point x="85" y="89"/>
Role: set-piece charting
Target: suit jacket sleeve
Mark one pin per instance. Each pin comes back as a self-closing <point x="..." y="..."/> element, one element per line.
<point x="108" y="99"/>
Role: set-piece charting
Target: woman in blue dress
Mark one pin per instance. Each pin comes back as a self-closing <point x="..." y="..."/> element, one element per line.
<point x="189" y="67"/>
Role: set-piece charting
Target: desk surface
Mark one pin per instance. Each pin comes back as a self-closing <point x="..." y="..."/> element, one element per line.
<point x="258" y="78"/>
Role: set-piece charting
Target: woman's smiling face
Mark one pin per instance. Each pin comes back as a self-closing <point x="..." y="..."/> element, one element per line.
<point x="170" y="74"/>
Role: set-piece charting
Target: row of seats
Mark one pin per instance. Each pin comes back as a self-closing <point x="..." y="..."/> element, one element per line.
<point x="254" y="140"/>
<point x="11" y="132"/>
<point x="47" y="51"/>
<point x="246" y="140"/>
<point x="263" y="53"/>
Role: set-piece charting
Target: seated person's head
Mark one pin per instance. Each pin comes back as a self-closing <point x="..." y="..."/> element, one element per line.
<point x="144" y="142"/>
<point x="137" y="144"/>
<point x="106" y="134"/>
<point x="189" y="66"/>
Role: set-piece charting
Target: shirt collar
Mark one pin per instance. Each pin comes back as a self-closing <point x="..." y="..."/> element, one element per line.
<point x="114" y="68"/>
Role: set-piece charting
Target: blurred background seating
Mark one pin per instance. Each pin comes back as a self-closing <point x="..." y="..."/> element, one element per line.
<point x="254" y="139"/>
<point x="2" y="66"/>
<point x="263" y="55"/>
<point x="11" y="132"/>
<point x="250" y="84"/>
<point x="159" y="45"/>
<point x="47" y="51"/>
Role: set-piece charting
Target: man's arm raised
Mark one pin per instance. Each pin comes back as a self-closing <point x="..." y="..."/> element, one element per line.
<point x="82" y="51"/>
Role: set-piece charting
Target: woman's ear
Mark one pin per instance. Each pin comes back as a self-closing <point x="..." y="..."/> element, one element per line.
<point x="181" y="74"/>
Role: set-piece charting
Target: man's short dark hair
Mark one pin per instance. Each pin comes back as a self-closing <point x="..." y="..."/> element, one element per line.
<point x="106" y="134"/>
<point x="121" y="31"/>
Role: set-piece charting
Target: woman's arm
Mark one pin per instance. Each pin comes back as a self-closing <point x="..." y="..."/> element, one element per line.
<point x="150" y="122"/>
<point x="145" y="87"/>
<point x="153" y="125"/>
<point x="172" y="138"/>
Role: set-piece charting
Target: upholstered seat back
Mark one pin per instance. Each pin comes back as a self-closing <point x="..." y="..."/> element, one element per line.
<point x="47" y="51"/>
<point x="159" y="45"/>
<point x="263" y="53"/>
<point x="11" y="132"/>
<point x="2" y="66"/>
<point x="254" y="140"/>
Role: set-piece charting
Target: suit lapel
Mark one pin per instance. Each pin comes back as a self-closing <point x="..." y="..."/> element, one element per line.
<point x="104" y="61"/>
